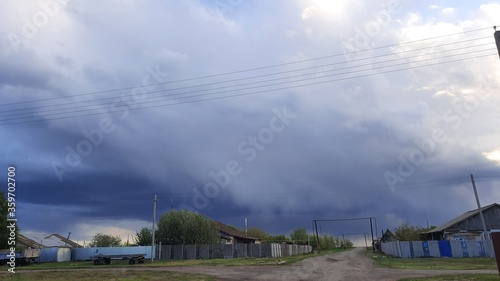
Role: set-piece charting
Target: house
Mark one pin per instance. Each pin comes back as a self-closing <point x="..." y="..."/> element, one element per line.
<point x="388" y="236"/>
<point x="467" y="226"/>
<point x="232" y="235"/>
<point x="37" y="241"/>
<point x="25" y="242"/>
<point x="61" y="241"/>
<point x="53" y="247"/>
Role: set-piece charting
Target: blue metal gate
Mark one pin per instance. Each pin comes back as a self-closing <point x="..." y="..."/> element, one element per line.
<point x="445" y="248"/>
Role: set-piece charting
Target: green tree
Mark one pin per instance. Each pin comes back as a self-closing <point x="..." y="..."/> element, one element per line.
<point x="104" y="240"/>
<point x="256" y="232"/>
<point x="277" y="238"/>
<point x="344" y="243"/>
<point x="299" y="235"/>
<point x="4" y="232"/>
<point x="144" y="237"/>
<point x="328" y="242"/>
<point x="409" y="232"/>
<point x="178" y="227"/>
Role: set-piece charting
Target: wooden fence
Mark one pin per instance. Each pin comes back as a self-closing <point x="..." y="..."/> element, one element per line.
<point x="442" y="248"/>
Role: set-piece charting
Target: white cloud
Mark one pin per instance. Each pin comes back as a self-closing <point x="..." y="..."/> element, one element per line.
<point x="83" y="231"/>
<point x="308" y="12"/>
<point x="493" y="155"/>
<point x="448" y="11"/>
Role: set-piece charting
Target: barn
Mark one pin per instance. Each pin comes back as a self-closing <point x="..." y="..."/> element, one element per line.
<point x="467" y="226"/>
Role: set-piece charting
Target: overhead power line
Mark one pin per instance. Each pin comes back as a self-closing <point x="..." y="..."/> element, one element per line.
<point x="262" y="67"/>
<point x="88" y="107"/>
<point x="63" y="111"/>
<point x="251" y="93"/>
<point x="207" y="92"/>
<point x="38" y="108"/>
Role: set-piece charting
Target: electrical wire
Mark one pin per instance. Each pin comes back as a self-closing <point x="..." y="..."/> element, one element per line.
<point x="246" y="94"/>
<point x="256" y="68"/>
<point x="17" y="120"/>
<point x="39" y="108"/>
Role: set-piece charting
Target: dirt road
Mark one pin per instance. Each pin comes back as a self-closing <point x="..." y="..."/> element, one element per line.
<point x="346" y="266"/>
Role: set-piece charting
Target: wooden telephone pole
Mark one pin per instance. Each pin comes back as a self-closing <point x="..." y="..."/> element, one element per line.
<point x="153" y="230"/>
<point x="479" y="206"/>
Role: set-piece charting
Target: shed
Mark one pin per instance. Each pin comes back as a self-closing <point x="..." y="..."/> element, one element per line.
<point x="55" y="254"/>
<point x="467" y="226"/>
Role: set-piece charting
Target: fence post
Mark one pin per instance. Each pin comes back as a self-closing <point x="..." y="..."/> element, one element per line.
<point x="400" y="254"/>
<point x="495" y="237"/>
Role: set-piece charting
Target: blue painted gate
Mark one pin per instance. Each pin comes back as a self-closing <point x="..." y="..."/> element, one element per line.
<point x="445" y="248"/>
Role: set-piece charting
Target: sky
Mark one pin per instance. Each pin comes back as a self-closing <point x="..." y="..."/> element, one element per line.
<point x="281" y="112"/>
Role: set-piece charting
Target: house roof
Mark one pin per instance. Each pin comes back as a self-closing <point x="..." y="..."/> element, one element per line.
<point x="28" y="242"/>
<point x="66" y="241"/>
<point x="230" y="231"/>
<point x="388" y="234"/>
<point x="52" y="240"/>
<point x="461" y="218"/>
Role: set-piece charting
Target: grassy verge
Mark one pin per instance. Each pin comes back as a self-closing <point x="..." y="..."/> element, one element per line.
<point x="468" y="277"/>
<point x="160" y="263"/>
<point x="114" y="275"/>
<point x="433" y="263"/>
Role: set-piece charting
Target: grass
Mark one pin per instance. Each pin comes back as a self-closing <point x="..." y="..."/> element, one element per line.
<point x="114" y="275"/>
<point x="167" y="263"/>
<point x="468" y="277"/>
<point x="433" y="263"/>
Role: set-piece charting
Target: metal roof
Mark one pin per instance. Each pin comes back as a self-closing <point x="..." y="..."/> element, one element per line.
<point x="232" y="231"/>
<point x="45" y="240"/>
<point x="461" y="218"/>
<point x="28" y="242"/>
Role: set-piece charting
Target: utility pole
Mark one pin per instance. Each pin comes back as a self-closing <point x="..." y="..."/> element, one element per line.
<point x="154" y="221"/>
<point x="497" y="39"/>
<point x="479" y="206"/>
<point x="317" y="237"/>
<point x="371" y="229"/>
<point x="246" y="227"/>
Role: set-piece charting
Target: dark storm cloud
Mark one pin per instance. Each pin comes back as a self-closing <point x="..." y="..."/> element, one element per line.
<point x="239" y="157"/>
